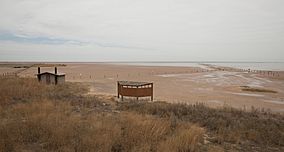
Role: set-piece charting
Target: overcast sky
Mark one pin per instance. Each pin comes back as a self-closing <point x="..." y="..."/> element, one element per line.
<point x="144" y="30"/>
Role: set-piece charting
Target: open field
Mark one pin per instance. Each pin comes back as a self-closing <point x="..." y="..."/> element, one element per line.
<point x="36" y="117"/>
<point x="211" y="85"/>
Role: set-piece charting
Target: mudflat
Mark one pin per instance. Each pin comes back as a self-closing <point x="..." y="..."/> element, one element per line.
<point x="212" y="86"/>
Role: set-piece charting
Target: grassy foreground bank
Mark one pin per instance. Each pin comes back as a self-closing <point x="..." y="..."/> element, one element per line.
<point x="36" y="117"/>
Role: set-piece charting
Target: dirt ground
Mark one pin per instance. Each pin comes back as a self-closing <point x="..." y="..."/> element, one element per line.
<point x="210" y="85"/>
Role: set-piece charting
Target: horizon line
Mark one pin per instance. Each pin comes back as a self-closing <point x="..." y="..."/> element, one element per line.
<point x="164" y="61"/>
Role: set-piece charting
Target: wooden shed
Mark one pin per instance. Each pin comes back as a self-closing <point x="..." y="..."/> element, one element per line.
<point x="51" y="78"/>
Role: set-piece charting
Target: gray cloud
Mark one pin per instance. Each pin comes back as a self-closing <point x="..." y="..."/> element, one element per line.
<point x="239" y="30"/>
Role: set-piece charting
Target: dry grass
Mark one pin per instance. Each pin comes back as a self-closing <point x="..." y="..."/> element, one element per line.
<point x="184" y="140"/>
<point x="47" y="126"/>
<point x="15" y="90"/>
<point x="225" y="125"/>
<point x="37" y="117"/>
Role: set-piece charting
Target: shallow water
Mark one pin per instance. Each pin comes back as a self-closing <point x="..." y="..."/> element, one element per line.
<point x="276" y="66"/>
<point x="249" y="94"/>
<point x="272" y="66"/>
<point x="221" y="78"/>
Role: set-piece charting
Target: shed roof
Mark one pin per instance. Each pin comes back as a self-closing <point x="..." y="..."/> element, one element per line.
<point x="133" y="83"/>
<point x="58" y="74"/>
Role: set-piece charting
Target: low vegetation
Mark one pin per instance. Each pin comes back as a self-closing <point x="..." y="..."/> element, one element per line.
<point x="28" y="65"/>
<point x="48" y="65"/>
<point x="250" y="89"/>
<point x="36" y="117"/>
<point x="254" y="129"/>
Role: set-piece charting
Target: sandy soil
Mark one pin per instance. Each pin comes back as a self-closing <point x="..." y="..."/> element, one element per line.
<point x="212" y="86"/>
